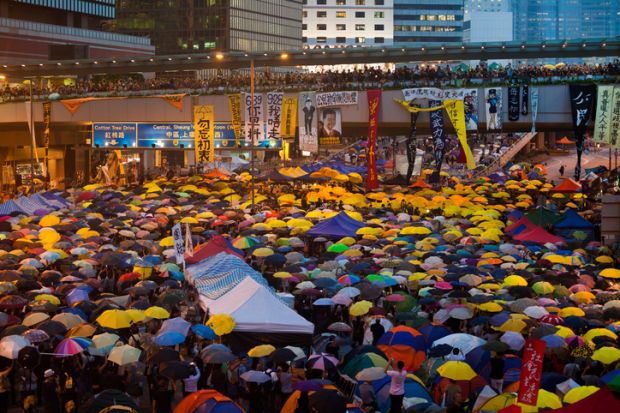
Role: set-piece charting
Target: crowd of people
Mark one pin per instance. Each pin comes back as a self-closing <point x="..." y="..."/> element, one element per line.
<point x="407" y="76"/>
<point x="422" y="298"/>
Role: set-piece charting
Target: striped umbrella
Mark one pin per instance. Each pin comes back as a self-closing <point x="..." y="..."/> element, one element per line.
<point x="322" y="361"/>
<point x="68" y="347"/>
<point x="35" y="335"/>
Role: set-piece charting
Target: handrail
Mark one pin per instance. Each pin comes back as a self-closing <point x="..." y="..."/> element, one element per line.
<point x="512" y="151"/>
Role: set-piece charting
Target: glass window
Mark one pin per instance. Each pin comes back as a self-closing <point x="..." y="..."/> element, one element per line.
<point x="379" y="2"/>
<point x="341" y="14"/>
<point x="360" y="2"/>
<point x="341" y="2"/>
<point x="379" y="40"/>
<point x="341" y="39"/>
<point x="304" y="13"/>
<point x="321" y="27"/>
<point x="360" y="27"/>
<point x="379" y="15"/>
<point x="304" y="26"/>
<point x="360" y="14"/>
<point x="379" y="27"/>
<point x="450" y="17"/>
<point x="321" y="14"/>
<point x="341" y="27"/>
<point x="321" y="39"/>
<point x="321" y="1"/>
<point x="360" y="40"/>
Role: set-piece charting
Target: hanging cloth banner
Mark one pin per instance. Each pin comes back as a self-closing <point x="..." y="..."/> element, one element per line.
<point x="423" y="93"/>
<point x="581" y="99"/>
<point x="174" y="100"/>
<point x="374" y="100"/>
<point x="531" y="371"/>
<point x="47" y="120"/>
<point x="614" y="136"/>
<point x="274" y="114"/>
<point x="204" y="127"/>
<point x="525" y="99"/>
<point x="234" y="105"/>
<point x="308" y="132"/>
<point x="438" y="134"/>
<point x="470" y="100"/>
<point x="513" y="103"/>
<point x="494" y="108"/>
<point x="411" y="143"/>
<point x="289" y="117"/>
<point x="417" y="109"/>
<point x="534" y="105"/>
<point x="327" y="99"/>
<point x="604" y="107"/>
<point x="73" y="105"/>
<point x="253" y="118"/>
<point x="456" y="113"/>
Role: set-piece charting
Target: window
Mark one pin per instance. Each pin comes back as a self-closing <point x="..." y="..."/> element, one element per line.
<point x="341" y="2"/>
<point x="341" y="14"/>
<point x="360" y="2"/>
<point x="321" y="14"/>
<point x="321" y="39"/>
<point x="426" y="28"/>
<point x="360" y="27"/>
<point x="360" y="40"/>
<point x="360" y="14"/>
<point x="379" y="15"/>
<point x="341" y="39"/>
<point x="304" y="26"/>
<point x="450" y="17"/>
<point x="304" y="39"/>
<point x="379" y="2"/>
<point x="379" y="40"/>
<point x="321" y="2"/>
<point x="341" y="27"/>
<point x="379" y="27"/>
<point x="321" y="27"/>
<point x="304" y="14"/>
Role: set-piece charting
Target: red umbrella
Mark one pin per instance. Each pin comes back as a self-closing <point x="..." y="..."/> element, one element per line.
<point x="395" y="298"/>
<point x="130" y="276"/>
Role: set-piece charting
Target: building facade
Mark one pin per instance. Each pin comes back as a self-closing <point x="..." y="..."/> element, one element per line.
<point x="428" y="22"/>
<point x="199" y="26"/>
<point x="40" y="30"/>
<point x="347" y="23"/>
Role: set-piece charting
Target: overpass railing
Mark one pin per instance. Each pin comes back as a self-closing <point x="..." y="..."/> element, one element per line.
<point x="507" y="156"/>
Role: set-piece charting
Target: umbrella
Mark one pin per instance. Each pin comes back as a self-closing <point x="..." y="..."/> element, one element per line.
<point x="253" y="376"/>
<point x="218" y="357"/>
<point x="68" y="347"/>
<point x="607" y="355"/>
<point x="261" y="350"/>
<point x="204" y="331"/>
<point x="462" y="341"/>
<point x="114" y="319"/>
<point x="371" y="374"/>
<point x="105" y="340"/>
<point x="456" y="370"/>
<point x="579" y="393"/>
<point x="124" y="354"/>
<point x="175" y="369"/>
<point x="35" y="336"/>
<point x="169" y="338"/>
<point x="282" y="355"/>
<point x="11" y="345"/>
<point x="340" y="327"/>
<point x="156" y="312"/>
<point x="322" y="361"/>
<point x="326" y="400"/>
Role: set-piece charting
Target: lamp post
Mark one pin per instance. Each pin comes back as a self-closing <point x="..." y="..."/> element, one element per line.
<point x="252" y="148"/>
<point x="32" y="138"/>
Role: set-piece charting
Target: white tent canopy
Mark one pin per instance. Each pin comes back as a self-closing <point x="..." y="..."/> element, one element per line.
<point x="255" y="309"/>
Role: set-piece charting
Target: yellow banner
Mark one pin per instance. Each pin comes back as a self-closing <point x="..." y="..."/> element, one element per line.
<point x="415" y="109"/>
<point x="289" y="117"/>
<point x="73" y="105"/>
<point x="456" y="113"/>
<point x="234" y="104"/>
<point x="204" y="127"/>
<point x="174" y="100"/>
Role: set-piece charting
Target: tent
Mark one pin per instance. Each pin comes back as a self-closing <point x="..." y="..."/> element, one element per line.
<point x="260" y="317"/>
<point x="523" y="224"/>
<point x="341" y="225"/>
<point x="602" y="400"/>
<point x="537" y="235"/>
<point x="567" y="186"/>
<point x="542" y="217"/>
<point x="216" y="245"/>
<point x="571" y="222"/>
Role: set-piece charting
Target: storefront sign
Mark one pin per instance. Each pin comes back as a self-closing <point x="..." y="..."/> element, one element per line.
<point x="115" y="135"/>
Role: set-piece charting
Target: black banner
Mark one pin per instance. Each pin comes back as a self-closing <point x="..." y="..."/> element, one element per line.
<point x="411" y="143"/>
<point x="581" y="98"/>
<point x="513" y="103"/>
<point x="439" y="138"/>
<point x="47" y="117"/>
<point x="525" y="100"/>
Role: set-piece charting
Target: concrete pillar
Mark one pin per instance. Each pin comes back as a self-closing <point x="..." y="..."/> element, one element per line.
<point x="540" y="141"/>
<point x="550" y="138"/>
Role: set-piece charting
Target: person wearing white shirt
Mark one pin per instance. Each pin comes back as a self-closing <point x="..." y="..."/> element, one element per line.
<point x="190" y="384"/>
<point x="398" y="374"/>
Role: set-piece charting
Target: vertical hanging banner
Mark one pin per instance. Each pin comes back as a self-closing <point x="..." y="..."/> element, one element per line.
<point x="289" y="117"/>
<point x="254" y="123"/>
<point x="179" y="247"/>
<point x="234" y="105"/>
<point x="47" y="120"/>
<point x="531" y="371"/>
<point x="330" y="126"/>
<point x="374" y="101"/>
<point x="412" y="142"/>
<point x="604" y="107"/>
<point x="493" y="98"/>
<point x="456" y="113"/>
<point x="581" y="98"/>
<point x="204" y="133"/>
<point x="308" y="134"/>
<point x="438" y="135"/>
<point x="534" y="105"/>
<point x="525" y="99"/>
<point x="274" y="114"/>
<point x="513" y="103"/>
<point x="614" y="136"/>
<point x="470" y="100"/>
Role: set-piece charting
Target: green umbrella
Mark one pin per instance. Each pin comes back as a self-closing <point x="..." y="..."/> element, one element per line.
<point x="337" y="248"/>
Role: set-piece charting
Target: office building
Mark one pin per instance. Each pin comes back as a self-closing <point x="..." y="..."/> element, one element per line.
<point x="340" y="23"/>
<point x="199" y="26"/>
<point x="487" y="21"/>
<point x="428" y="22"/>
<point x="40" y="30"/>
<point x="487" y="6"/>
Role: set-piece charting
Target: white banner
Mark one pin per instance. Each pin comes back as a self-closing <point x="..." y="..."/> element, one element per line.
<point x="179" y="248"/>
<point x="274" y="114"/>
<point x="614" y="135"/>
<point x="534" y="105"/>
<point x="308" y="133"/>
<point x="423" y="93"/>
<point x="336" y="99"/>
<point x="604" y="106"/>
<point x="493" y="98"/>
<point x="254" y="121"/>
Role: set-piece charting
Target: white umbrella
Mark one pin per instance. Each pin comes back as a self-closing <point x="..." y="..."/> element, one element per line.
<point x="461" y="313"/>
<point x="513" y="340"/>
<point x="371" y="374"/>
<point x="350" y="292"/>
<point x="124" y="354"/>
<point x="535" y="311"/>
<point x="11" y="345"/>
<point x="305" y="285"/>
<point x="299" y="352"/>
<point x="462" y="341"/>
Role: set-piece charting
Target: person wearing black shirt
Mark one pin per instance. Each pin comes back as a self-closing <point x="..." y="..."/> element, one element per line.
<point x="377" y="331"/>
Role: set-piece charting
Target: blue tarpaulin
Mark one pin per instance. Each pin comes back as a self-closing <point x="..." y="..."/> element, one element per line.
<point x="341" y="225"/>
<point x="571" y="222"/>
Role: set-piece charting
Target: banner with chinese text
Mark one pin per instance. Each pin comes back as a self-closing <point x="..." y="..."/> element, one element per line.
<point x="254" y="122"/>
<point x="614" y="136"/>
<point x="330" y="126"/>
<point x="531" y="371"/>
<point x="374" y="100"/>
<point x="326" y="99"/>
<point x="289" y="117"/>
<point x="456" y="113"/>
<point x="534" y="106"/>
<point x="308" y="133"/>
<point x="412" y="142"/>
<point x="525" y="99"/>
<point x="438" y="135"/>
<point x="581" y="99"/>
<point x="47" y="120"/>
<point x="204" y="132"/>
<point x="274" y="114"/>
<point x="234" y="105"/>
<point x="604" y="107"/>
<point x="514" y="98"/>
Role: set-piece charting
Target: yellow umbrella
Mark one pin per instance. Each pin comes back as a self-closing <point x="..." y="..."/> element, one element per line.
<point x="512" y="324"/>
<point x="47" y="297"/>
<point x="606" y="355"/>
<point x="360" y="308"/>
<point x="568" y="311"/>
<point x="579" y="393"/>
<point x="583" y="297"/>
<point x="597" y="332"/>
<point x="49" y="221"/>
<point x="32" y="319"/>
<point x="262" y="252"/>
<point x="456" y="370"/>
<point x="282" y="275"/>
<point x="156" y="312"/>
<point x="114" y="319"/>
<point x="261" y="351"/>
<point x="515" y="280"/>
<point x="491" y="307"/>
<point x="353" y="253"/>
<point x="604" y="259"/>
<point x="415" y="231"/>
<point x="136" y="315"/>
<point x="221" y="324"/>
<point x="166" y="242"/>
<point x="610" y="273"/>
<point x="189" y="220"/>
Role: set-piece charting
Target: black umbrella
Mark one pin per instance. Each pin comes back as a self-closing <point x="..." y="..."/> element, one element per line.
<point x="28" y="357"/>
<point x="282" y="355"/>
<point x="369" y="291"/>
<point x="497" y="346"/>
<point x="53" y="328"/>
<point x="15" y="330"/>
<point x="440" y="350"/>
<point x="326" y="400"/>
<point x="175" y="369"/>
<point x="164" y="355"/>
<point x="218" y="357"/>
<point x="107" y="400"/>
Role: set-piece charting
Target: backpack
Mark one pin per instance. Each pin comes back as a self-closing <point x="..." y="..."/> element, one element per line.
<point x="68" y="382"/>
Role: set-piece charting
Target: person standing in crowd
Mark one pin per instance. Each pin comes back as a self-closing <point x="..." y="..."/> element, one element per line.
<point x="377" y="331"/>
<point x="50" y="393"/>
<point x="398" y="374"/>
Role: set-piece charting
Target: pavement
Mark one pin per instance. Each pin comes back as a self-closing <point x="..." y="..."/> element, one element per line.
<point x="553" y="163"/>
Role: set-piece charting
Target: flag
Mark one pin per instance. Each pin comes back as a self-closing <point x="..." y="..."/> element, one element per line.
<point x="374" y="100"/>
<point x="581" y="98"/>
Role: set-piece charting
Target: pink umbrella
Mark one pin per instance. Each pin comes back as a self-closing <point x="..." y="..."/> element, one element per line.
<point x="341" y="299"/>
<point x="68" y="347"/>
<point x="544" y="301"/>
<point x="443" y="285"/>
<point x="574" y="341"/>
<point x="579" y="287"/>
<point x="322" y="361"/>
<point x="395" y="298"/>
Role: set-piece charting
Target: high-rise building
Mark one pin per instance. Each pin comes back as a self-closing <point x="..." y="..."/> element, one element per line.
<point x="339" y="23"/>
<point x="39" y="30"/>
<point x="198" y="26"/>
<point x="430" y="22"/>
<point x="487" y="6"/>
<point x="487" y="21"/>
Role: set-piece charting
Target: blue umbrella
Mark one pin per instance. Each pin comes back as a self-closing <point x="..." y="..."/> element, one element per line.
<point x="76" y="311"/>
<point x="554" y="341"/>
<point x="204" y="331"/>
<point x="76" y="295"/>
<point x="323" y="302"/>
<point x="169" y="338"/>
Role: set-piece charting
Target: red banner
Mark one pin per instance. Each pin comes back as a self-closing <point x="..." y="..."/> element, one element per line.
<point x="531" y="371"/>
<point x="374" y="100"/>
